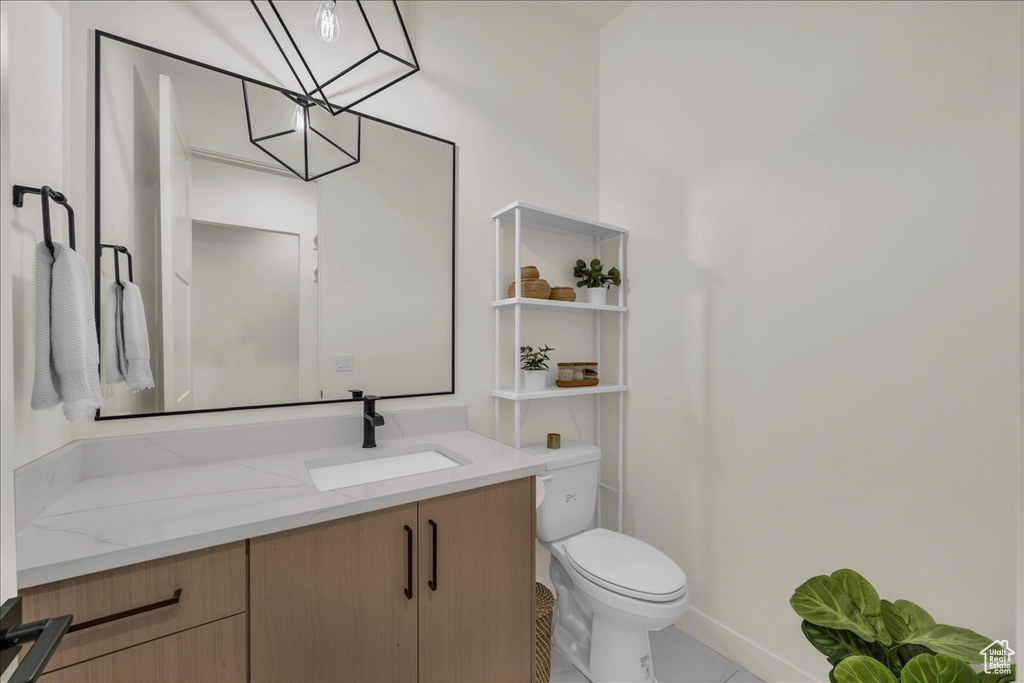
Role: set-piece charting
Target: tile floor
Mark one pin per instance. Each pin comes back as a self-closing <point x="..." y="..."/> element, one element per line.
<point x="678" y="658"/>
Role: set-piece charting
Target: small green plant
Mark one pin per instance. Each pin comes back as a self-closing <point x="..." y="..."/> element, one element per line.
<point x="534" y="360"/>
<point x="593" y="276"/>
<point x="870" y="640"/>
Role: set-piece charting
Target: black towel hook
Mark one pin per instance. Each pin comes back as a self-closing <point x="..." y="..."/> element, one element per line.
<point x="47" y="193"/>
<point x="121" y="249"/>
<point x="131" y="268"/>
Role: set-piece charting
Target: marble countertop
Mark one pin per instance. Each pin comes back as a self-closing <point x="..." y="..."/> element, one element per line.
<point x="110" y="521"/>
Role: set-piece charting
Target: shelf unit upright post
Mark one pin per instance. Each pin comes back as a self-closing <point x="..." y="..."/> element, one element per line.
<point x="554" y="221"/>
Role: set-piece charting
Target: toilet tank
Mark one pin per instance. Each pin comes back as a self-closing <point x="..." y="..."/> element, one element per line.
<point x="570" y="495"/>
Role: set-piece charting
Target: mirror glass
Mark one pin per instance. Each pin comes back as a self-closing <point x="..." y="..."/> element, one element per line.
<point x="258" y="287"/>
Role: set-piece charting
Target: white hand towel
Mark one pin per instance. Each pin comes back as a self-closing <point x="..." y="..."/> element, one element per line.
<point x="139" y="375"/>
<point x="73" y="348"/>
<point x="113" y="341"/>
<point x="45" y="394"/>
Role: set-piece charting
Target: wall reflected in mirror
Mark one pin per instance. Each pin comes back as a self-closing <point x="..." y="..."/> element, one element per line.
<point x="257" y="285"/>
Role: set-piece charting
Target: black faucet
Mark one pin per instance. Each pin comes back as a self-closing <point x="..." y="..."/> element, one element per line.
<point x="371" y="418"/>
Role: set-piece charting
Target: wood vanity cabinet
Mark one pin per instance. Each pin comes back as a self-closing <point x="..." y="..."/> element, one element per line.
<point x="368" y="598"/>
<point x="437" y="591"/>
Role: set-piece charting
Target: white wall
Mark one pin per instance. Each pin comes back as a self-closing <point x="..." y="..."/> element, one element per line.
<point x="824" y="335"/>
<point x="33" y="69"/>
<point x="38" y="156"/>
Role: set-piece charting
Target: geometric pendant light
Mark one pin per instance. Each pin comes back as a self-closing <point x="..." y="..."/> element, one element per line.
<point x="298" y="134"/>
<point x="340" y="53"/>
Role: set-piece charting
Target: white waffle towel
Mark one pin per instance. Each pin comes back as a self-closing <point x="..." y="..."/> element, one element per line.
<point x="67" y="351"/>
<point x="135" y="338"/>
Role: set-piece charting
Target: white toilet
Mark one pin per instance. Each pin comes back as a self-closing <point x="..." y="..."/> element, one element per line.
<point x="612" y="590"/>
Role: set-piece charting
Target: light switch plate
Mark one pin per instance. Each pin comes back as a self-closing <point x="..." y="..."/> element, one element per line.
<point x="345" y="363"/>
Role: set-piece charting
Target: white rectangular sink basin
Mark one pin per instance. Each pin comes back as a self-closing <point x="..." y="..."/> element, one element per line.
<point x="372" y="465"/>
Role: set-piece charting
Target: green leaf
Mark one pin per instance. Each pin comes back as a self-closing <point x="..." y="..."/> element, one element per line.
<point x="822" y="600"/>
<point x="865" y="599"/>
<point x="914" y="615"/>
<point x="861" y="592"/>
<point x="962" y="643"/>
<point x="861" y="669"/>
<point x="836" y="644"/>
<point x="937" y="669"/>
<point x="904" y="653"/>
<point x="894" y="623"/>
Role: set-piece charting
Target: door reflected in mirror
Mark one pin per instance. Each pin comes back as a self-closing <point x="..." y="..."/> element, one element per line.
<point x="259" y="287"/>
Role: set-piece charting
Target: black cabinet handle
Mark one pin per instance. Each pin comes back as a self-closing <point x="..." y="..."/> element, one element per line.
<point x="408" y="557"/>
<point x="433" y="569"/>
<point x="173" y="600"/>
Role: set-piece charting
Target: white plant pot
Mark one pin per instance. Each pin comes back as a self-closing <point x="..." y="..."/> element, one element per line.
<point x="597" y="295"/>
<point x="535" y="380"/>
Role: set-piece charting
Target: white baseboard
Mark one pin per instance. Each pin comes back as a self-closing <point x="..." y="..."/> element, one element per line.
<point x="742" y="650"/>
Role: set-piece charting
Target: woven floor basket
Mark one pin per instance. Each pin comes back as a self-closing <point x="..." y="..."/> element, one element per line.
<point x="532" y="289"/>
<point x="542" y="634"/>
<point x="563" y="294"/>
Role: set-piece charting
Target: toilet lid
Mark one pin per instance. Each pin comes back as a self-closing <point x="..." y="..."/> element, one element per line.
<point x="626" y="565"/>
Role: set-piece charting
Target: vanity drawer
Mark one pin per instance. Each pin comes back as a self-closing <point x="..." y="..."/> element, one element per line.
<point x="213" y="653"/>
<point x="212" y="584"/>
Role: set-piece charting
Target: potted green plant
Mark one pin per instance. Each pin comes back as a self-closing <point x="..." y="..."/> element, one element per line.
<point x="596" y="280"/>
<point x="535" y="367"/>
<point x="870" y="640"/>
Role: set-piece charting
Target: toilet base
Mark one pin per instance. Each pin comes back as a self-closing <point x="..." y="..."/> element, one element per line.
<point x="618" y="655"/>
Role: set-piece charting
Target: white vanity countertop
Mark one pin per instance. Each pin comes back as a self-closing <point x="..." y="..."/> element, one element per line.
<point x="116" y="520"/>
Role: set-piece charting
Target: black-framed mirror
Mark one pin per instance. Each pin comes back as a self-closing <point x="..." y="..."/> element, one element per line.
<point x="259" y="288"/>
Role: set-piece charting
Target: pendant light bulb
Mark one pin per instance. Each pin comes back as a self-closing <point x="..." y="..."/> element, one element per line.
<point x="299" y="119"/>
<point x="326" y="24"/>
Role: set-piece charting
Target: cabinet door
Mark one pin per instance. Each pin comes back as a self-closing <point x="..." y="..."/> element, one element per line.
<point x="476" y="611"/>
<point x="328" y="602"/>
<point x="212" y="653"/>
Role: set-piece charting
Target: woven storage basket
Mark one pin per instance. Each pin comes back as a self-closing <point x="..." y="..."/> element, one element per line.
<point x="532" y="289"/>
<point x="543" y="608"/>
<point x="563" y="294"/>
<point x="529" y="272"/>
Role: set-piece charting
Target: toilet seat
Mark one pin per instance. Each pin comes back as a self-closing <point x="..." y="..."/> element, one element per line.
<point x="626" y="566"/>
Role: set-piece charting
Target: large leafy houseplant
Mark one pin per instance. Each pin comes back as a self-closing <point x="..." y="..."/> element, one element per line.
<point x="870" y="640"/>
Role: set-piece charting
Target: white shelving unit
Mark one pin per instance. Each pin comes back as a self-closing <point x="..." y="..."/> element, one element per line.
<point x="596" y="233"/>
